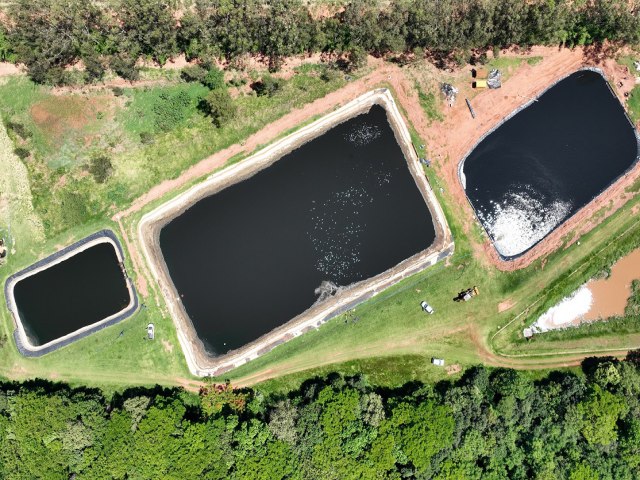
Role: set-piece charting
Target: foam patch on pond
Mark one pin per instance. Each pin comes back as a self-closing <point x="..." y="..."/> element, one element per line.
<point x="566" y="313"/>
<point x="363" y="134"/>
<point x="521" y="219"/>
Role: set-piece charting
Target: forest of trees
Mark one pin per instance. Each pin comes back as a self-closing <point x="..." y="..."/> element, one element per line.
<point x="490" y="424"/>
<point x="49" y="35"/>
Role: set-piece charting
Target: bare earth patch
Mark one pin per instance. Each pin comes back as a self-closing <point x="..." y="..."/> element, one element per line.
<point x="168" y="346"/>
<point x="59" y="115"/>
<point x="505" y="305"/>
<point x="453" y="369"/>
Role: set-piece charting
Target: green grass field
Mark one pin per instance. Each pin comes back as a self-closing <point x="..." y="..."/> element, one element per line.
<point x="61" y="133"/>
<point x="393" y="340"/>
<point x="141" y="130"/>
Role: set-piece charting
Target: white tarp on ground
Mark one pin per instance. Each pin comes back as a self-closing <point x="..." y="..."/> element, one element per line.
<point x="569" y="312"/>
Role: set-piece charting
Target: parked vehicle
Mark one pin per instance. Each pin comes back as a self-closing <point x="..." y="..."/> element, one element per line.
<point x="426" y="307"/>
<point x="468" y="294"/>
<point x="438" y="362"/>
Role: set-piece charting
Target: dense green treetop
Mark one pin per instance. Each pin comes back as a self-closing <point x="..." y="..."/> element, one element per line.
<point x="49" y="35"/>
<point x="490" y="424"/>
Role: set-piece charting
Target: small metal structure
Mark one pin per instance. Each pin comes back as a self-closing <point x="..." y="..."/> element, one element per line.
<point x="473" y="113"/>
<point x="151" y="331"/>
<point x="527" y="333"/>
<point x="438" y="362"/>
<point x="426" y="307"/>
<point x="450" y="93"/>
<point x="494" y="80"/>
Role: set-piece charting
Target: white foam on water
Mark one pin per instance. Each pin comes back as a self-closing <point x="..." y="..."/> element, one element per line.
<point x="363" y="134"/>
<point x="520" y="220"/>
<point x="337" y="232"/>
<point x="565" y="313"/>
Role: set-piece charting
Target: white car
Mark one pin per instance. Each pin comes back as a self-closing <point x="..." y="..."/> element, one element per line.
<point x="151" y="331"/>
<point x="438" y="362"/>
<point x="426" y="307"/>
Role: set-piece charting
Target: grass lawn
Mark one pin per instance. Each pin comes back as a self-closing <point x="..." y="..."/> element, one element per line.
<point x="149" y="134"/>
<point x="633" y="104"/>
<point x="106" y="359"/>
<point x="393" y="340"/>
<point x="430" y="103"/>
<point x="62" y="132"/>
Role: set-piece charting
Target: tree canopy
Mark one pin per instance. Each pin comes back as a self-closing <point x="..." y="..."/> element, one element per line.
<point x="496" y="424"/>
<point x="50" y="35"/>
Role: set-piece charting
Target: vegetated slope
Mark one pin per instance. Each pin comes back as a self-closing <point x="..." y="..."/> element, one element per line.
<point x="85" y="162"/>
<point x="115" y="38"/>
<point x="489" y="424"/>
<point x="91" y="153"/>
<point x="16" y="210"/>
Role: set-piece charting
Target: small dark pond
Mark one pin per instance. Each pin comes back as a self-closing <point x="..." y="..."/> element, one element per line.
<point x="548" y="161"/>
<point x="341" y="208"/>
<point x="81" y="290"/>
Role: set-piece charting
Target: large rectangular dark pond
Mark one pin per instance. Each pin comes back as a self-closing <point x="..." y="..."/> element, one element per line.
<point x="79" y="291"/>
<point x="548" y="161"/>
<point x="341" y="208"/>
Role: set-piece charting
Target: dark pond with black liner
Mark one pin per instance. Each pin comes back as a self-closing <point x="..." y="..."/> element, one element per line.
<point x="548" y="161"/>
<point x="79" y="291"/>
<point x="340" y="208"/>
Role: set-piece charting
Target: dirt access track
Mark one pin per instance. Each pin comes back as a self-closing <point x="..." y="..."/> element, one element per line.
<point x="448" y="142"/>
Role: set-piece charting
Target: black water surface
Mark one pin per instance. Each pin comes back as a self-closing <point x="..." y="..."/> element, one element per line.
<point x="341" y="208"/>
<point x="84" y="289"/>
<point x="548" y="161"/>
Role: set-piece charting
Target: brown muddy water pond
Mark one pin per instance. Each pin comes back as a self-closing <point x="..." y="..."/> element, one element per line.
<point x="610" y="295"/>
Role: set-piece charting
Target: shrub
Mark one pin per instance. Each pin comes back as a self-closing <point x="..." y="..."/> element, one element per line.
<point x="329" y="74"/>
<point x="170" y="110"/>
<point x="117" y="91"/>
<point x="214" y="78"/>
<point x="219" y="106"/>
<point x="356" y="58"/>
<point x="59" y="76"/>
<point x="194" y="73"/>
<point x="268" y="86"/>
<point x="125" y="66"/>
<point x="94" y="68"/>
<point x="21" y="152"/>
<point x="237" y="81"/>
<point x="461" y="57"/>
<point x="19" y="129"/>
<point x="146" y="138"/>
<point x="100" y="167"/>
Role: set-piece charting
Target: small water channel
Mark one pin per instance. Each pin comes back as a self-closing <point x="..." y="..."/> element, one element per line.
<point x="548" y="161"/>
<point x="79" y="291"/>
<point x="340" y="208"/>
